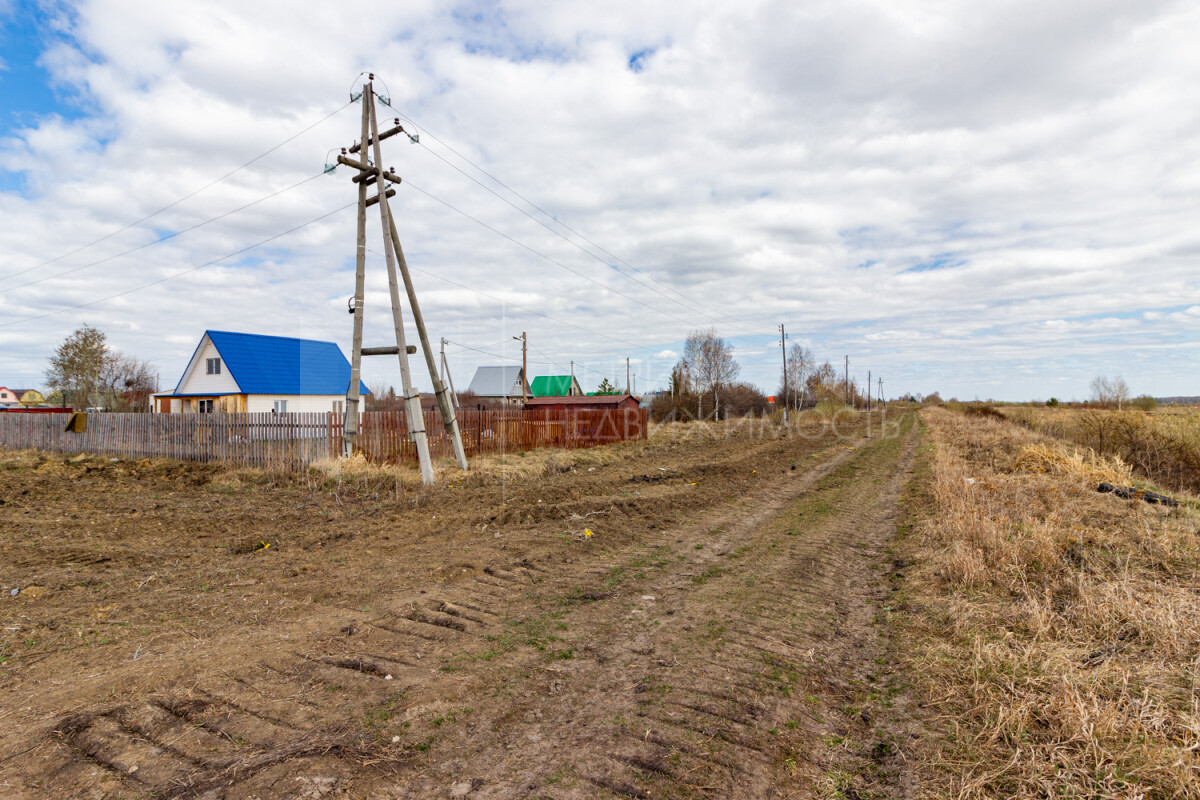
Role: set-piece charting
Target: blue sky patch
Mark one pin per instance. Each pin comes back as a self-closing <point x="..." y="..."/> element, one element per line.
<point x="940" y="262"/>
<point x="637" y="61"/>
<point x="25" y="90"/>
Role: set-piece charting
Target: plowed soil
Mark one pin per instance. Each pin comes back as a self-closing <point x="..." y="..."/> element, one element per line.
<point x="686" y="617"/>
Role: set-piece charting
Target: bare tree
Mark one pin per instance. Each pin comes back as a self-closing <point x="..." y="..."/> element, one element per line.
<point x="127" y="382"/>
<point x="709" y="365"/>
<point x="800" y="361"/>
<point x="823" y="385"/>
<point x="1107" y="391"/>
<point x="77" y="367"/>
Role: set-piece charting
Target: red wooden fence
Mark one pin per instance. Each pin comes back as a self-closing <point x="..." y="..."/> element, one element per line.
<point x="383" y="435"/>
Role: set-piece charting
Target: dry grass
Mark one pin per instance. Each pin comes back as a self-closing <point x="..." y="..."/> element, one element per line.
<point x="1163" y="446"/>
<point x="1082" y="465"/>
<point x="357" y="475"/>
<point x="1059" y="637"/>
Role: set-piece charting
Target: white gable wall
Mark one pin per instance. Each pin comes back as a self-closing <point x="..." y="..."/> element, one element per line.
<point x="198" y="381"/>
<point x="296" y="403"/>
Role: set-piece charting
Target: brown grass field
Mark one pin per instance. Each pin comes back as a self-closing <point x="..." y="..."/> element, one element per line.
<point x="942" y="608"/>
<point x="1056" y="630"/>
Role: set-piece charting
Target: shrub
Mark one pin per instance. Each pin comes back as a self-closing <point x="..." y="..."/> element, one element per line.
<point x="1052" y="402"/>
<point x="1144" y="402"/>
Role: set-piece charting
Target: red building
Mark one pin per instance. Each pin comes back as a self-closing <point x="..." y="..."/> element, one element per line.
<point x="589" y="402"/>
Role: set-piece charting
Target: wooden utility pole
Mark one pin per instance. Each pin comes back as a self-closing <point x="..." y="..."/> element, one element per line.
<point x="868" y="391"/>
<point x="783" y="347"/>
<point x="628" y="385"/>
<point x="350" y="428"/>
<point x="447" y="378"/>
<point x="524" y="365"/>
<point x="847" y="381"/>
<point x="373" y="174"/>
<point x="571" y="388"/>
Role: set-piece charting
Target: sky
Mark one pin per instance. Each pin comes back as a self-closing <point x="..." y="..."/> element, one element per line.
<point x="992" y="200"/>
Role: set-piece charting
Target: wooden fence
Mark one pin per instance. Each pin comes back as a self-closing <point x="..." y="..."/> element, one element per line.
<point x="293" y="441"/>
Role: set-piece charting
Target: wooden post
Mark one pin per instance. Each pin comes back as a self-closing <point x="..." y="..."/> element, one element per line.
<point x="350" y="428"/>
<point x="783" y="346"/>
<point x="412" y="397"/>
<point x="449" y="418"/>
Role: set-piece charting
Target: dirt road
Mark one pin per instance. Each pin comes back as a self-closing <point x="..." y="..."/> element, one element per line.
<point x="675" y="618"/>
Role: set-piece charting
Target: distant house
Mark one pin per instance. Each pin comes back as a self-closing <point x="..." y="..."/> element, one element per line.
<point x="554" y="386"/>
<point x="497" y="383"/>
<point x="8" y="398"/>
<point x="30" y="397"/>
<point x="249" y="373"/>
<point x="593" y="402"/>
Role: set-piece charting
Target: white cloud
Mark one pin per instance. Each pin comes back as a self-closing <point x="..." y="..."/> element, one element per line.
<point x="956" y="195"/>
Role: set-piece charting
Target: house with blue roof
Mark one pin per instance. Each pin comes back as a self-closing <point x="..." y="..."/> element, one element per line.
<point x="249" y="373"/>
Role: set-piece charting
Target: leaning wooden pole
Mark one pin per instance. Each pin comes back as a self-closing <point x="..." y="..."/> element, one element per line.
<point x="412" y="397"/>
<point x="443" y="396"/>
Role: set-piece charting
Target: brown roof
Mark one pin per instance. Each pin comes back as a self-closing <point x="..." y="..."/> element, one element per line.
<point x="579" y="400"/>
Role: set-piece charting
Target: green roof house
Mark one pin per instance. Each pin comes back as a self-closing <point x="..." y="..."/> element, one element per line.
<point x="555" y="386"/>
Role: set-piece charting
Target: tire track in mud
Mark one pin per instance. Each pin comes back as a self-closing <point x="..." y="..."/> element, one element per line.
<point x="710" y="683"/>
<point x="606" y="680"/>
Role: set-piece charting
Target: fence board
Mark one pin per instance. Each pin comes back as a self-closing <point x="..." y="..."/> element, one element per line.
<point x="295" y="440"/>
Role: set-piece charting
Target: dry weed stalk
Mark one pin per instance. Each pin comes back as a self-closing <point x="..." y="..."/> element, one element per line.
<point x="1061" y="627"/>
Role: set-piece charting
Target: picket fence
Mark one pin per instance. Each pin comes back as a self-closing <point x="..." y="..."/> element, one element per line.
<point x="293" y="441"/>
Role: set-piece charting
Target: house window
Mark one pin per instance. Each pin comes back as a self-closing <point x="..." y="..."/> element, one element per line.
<point x="204" y="406"/>
<point x="214" y="366"/>
<point x="338" y="407"/>
<point x="280" y="407"/>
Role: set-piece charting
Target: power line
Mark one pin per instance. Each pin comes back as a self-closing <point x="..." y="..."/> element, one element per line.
<point x="188" y="196"/>
<point x="542" y="255"/>
<point x="542" y="314"/>
<point x="168" y="237"/>
<point x="559" y="222"/>
<point x="560" y="234"/>
<point x="181" y="272"/>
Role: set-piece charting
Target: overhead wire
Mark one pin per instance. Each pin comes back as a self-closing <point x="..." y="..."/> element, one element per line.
<point x="162" y="239"/>
<point x="542" y="255"/>
<point x="174" y="275"/>
<point x="558" y="233"/>
<point x="502" y="301"/>
<point x="187" y="196"/>
<point x="559" y="222"/>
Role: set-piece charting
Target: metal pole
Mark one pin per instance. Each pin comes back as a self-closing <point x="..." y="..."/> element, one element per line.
<point x="391" y="244"/>
<point x="571" y="388"/>
<point x="868" y="391"/>
<point x="350" y="425"/>
<point x="628" y="388"/>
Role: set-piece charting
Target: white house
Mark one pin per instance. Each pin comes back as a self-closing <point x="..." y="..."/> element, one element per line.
<point x="498" y="383"/>
<point x="245" y="372"/>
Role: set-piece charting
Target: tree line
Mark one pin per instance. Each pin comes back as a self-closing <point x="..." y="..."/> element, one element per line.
<point x="703" y="383"/>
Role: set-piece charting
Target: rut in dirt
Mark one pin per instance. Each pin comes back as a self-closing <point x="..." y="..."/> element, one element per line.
<point x="712" y="655"/>
<point x="742" y="674"/>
